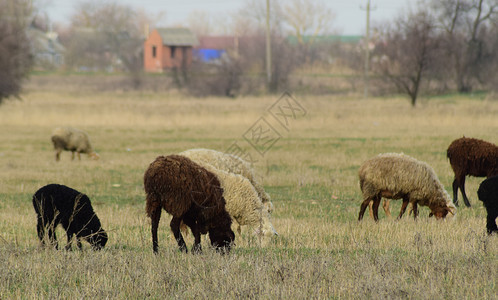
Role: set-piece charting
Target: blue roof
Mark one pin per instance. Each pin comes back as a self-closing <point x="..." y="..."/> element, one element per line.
<point x="207" y="55"/>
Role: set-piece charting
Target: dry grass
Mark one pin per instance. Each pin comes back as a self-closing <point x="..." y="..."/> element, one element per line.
<point x="311" y="174"/>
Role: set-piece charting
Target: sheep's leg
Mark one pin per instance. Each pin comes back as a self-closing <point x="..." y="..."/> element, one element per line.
<point x="52" y="237"/>
<point x="175" y="227"/>
<point x="370" y="209"/>
<point x="414" y="209"/>
<point x="69" y="240"/>
<point x="403" y="207"/>
<point x="363" y="207"/>
<point x="155" y="216"/>
<point x="58" y="155"/>
<point x="79" y="155"/>
<point x="455" y="191"/>
<point x="385" y="206"/>
<point x="491" y="223"/>
<point x="462" y="188"/>
<point x="375" y="207"/>
<point x="196" y="248"/>
<point x="41" y="230"/>
<point x="72" y="155"/>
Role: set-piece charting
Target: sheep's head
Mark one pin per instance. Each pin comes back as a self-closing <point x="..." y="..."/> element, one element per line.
<point x="222" y="239"/>
<point x="94" y="155"/>
<point x="448" y="211"/>
<point x="221" y="236"/>
<point x="98" y="239"/>
<point x="265" y="228"/>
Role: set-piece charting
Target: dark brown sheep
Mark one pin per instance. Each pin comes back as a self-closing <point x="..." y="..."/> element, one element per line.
<point x="474" y="157"/>
<point x="191" y="194"/>
<point x="58" y="204"/>
<point x="488" y="194"/>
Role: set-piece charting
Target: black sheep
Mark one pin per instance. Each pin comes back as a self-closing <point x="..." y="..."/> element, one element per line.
<point x="58" y="204"/>
<point x="488" y="194"/>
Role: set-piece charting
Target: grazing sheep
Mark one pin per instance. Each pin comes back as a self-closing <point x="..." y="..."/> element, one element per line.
<point x="192" y="195"/>
<point x="232" y="164"/>
<point x="488" y="194"/>
<point x="74" y="140"/>
<point x="243" y="202"/>
<point x="58" y="204"/>
<point x="474" y="157"/>
<point x="396" y="176"/>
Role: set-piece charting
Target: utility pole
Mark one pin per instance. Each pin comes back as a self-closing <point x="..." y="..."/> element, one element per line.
<point x="367" y="51"/>
<point x="268" y="46"/>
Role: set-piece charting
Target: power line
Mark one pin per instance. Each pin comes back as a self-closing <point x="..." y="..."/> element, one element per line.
<point x="367" y="49"/>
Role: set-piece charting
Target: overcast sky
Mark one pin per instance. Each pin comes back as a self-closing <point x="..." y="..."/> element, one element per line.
<point x="349" y="14"/>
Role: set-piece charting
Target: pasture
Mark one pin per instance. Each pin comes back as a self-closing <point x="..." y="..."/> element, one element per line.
<point x="310" y="171"/>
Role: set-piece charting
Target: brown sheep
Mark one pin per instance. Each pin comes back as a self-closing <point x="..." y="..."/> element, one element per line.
<point x="72" y="139"/>
<point x="396" y="176"/>
<point x="192" y="195"/>
<point x="474" y="157"/>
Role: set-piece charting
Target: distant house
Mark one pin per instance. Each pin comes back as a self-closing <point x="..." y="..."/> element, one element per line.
<point x="48" y="53"/>
<point x="167" y="48"/>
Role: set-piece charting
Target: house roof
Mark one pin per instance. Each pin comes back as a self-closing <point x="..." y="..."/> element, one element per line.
<point x="217" y="42"/>
<point x="177" y="37"/>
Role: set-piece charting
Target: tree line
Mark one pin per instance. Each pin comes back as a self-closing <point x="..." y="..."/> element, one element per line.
<point x="438" y="46"/>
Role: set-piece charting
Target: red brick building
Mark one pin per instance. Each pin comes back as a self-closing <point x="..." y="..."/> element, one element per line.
<point x="167" y="48"/>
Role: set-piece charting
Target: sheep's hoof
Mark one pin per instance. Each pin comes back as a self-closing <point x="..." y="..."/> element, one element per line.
<point x="183" y="248"/>
<point x="197" y="249"/>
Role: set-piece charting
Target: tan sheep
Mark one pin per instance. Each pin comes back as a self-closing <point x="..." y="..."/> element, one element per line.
<point x="232" y="164"/>
<point x="74" y="140"/>
<point x="243" y="202"/>
<point x="396" y="176"/>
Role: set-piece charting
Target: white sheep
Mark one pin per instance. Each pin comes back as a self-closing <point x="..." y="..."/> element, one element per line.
<point x="243" y="202"/>
<point x="232" y="164"/>
<point x="72" y="139"/>
<point x="396" y="176"/>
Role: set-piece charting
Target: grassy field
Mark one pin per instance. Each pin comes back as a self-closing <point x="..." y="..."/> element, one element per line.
<point x="310" y="171"/>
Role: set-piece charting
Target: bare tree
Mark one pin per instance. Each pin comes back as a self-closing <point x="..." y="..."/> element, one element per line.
<point x="15" y="57"/>
<point x="108" y="35"/>
<point x="405" y="52"/>
<point x="464" y="22"/>
<point x="307" y="19"/>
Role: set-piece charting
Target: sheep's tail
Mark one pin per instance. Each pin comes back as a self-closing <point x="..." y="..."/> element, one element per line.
<point x="151" y="205"/>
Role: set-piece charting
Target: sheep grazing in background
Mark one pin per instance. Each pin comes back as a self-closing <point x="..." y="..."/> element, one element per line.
<point x="192" y="195"/>
<point x="58" y="204"/>
<point x="474" y="157"/>
<point x="243" y="202"/>
<point x="74" y="140"/>
<point x="232" y="164"/>
<point x="488" y="194"/>
<point x="399" y="176"/>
